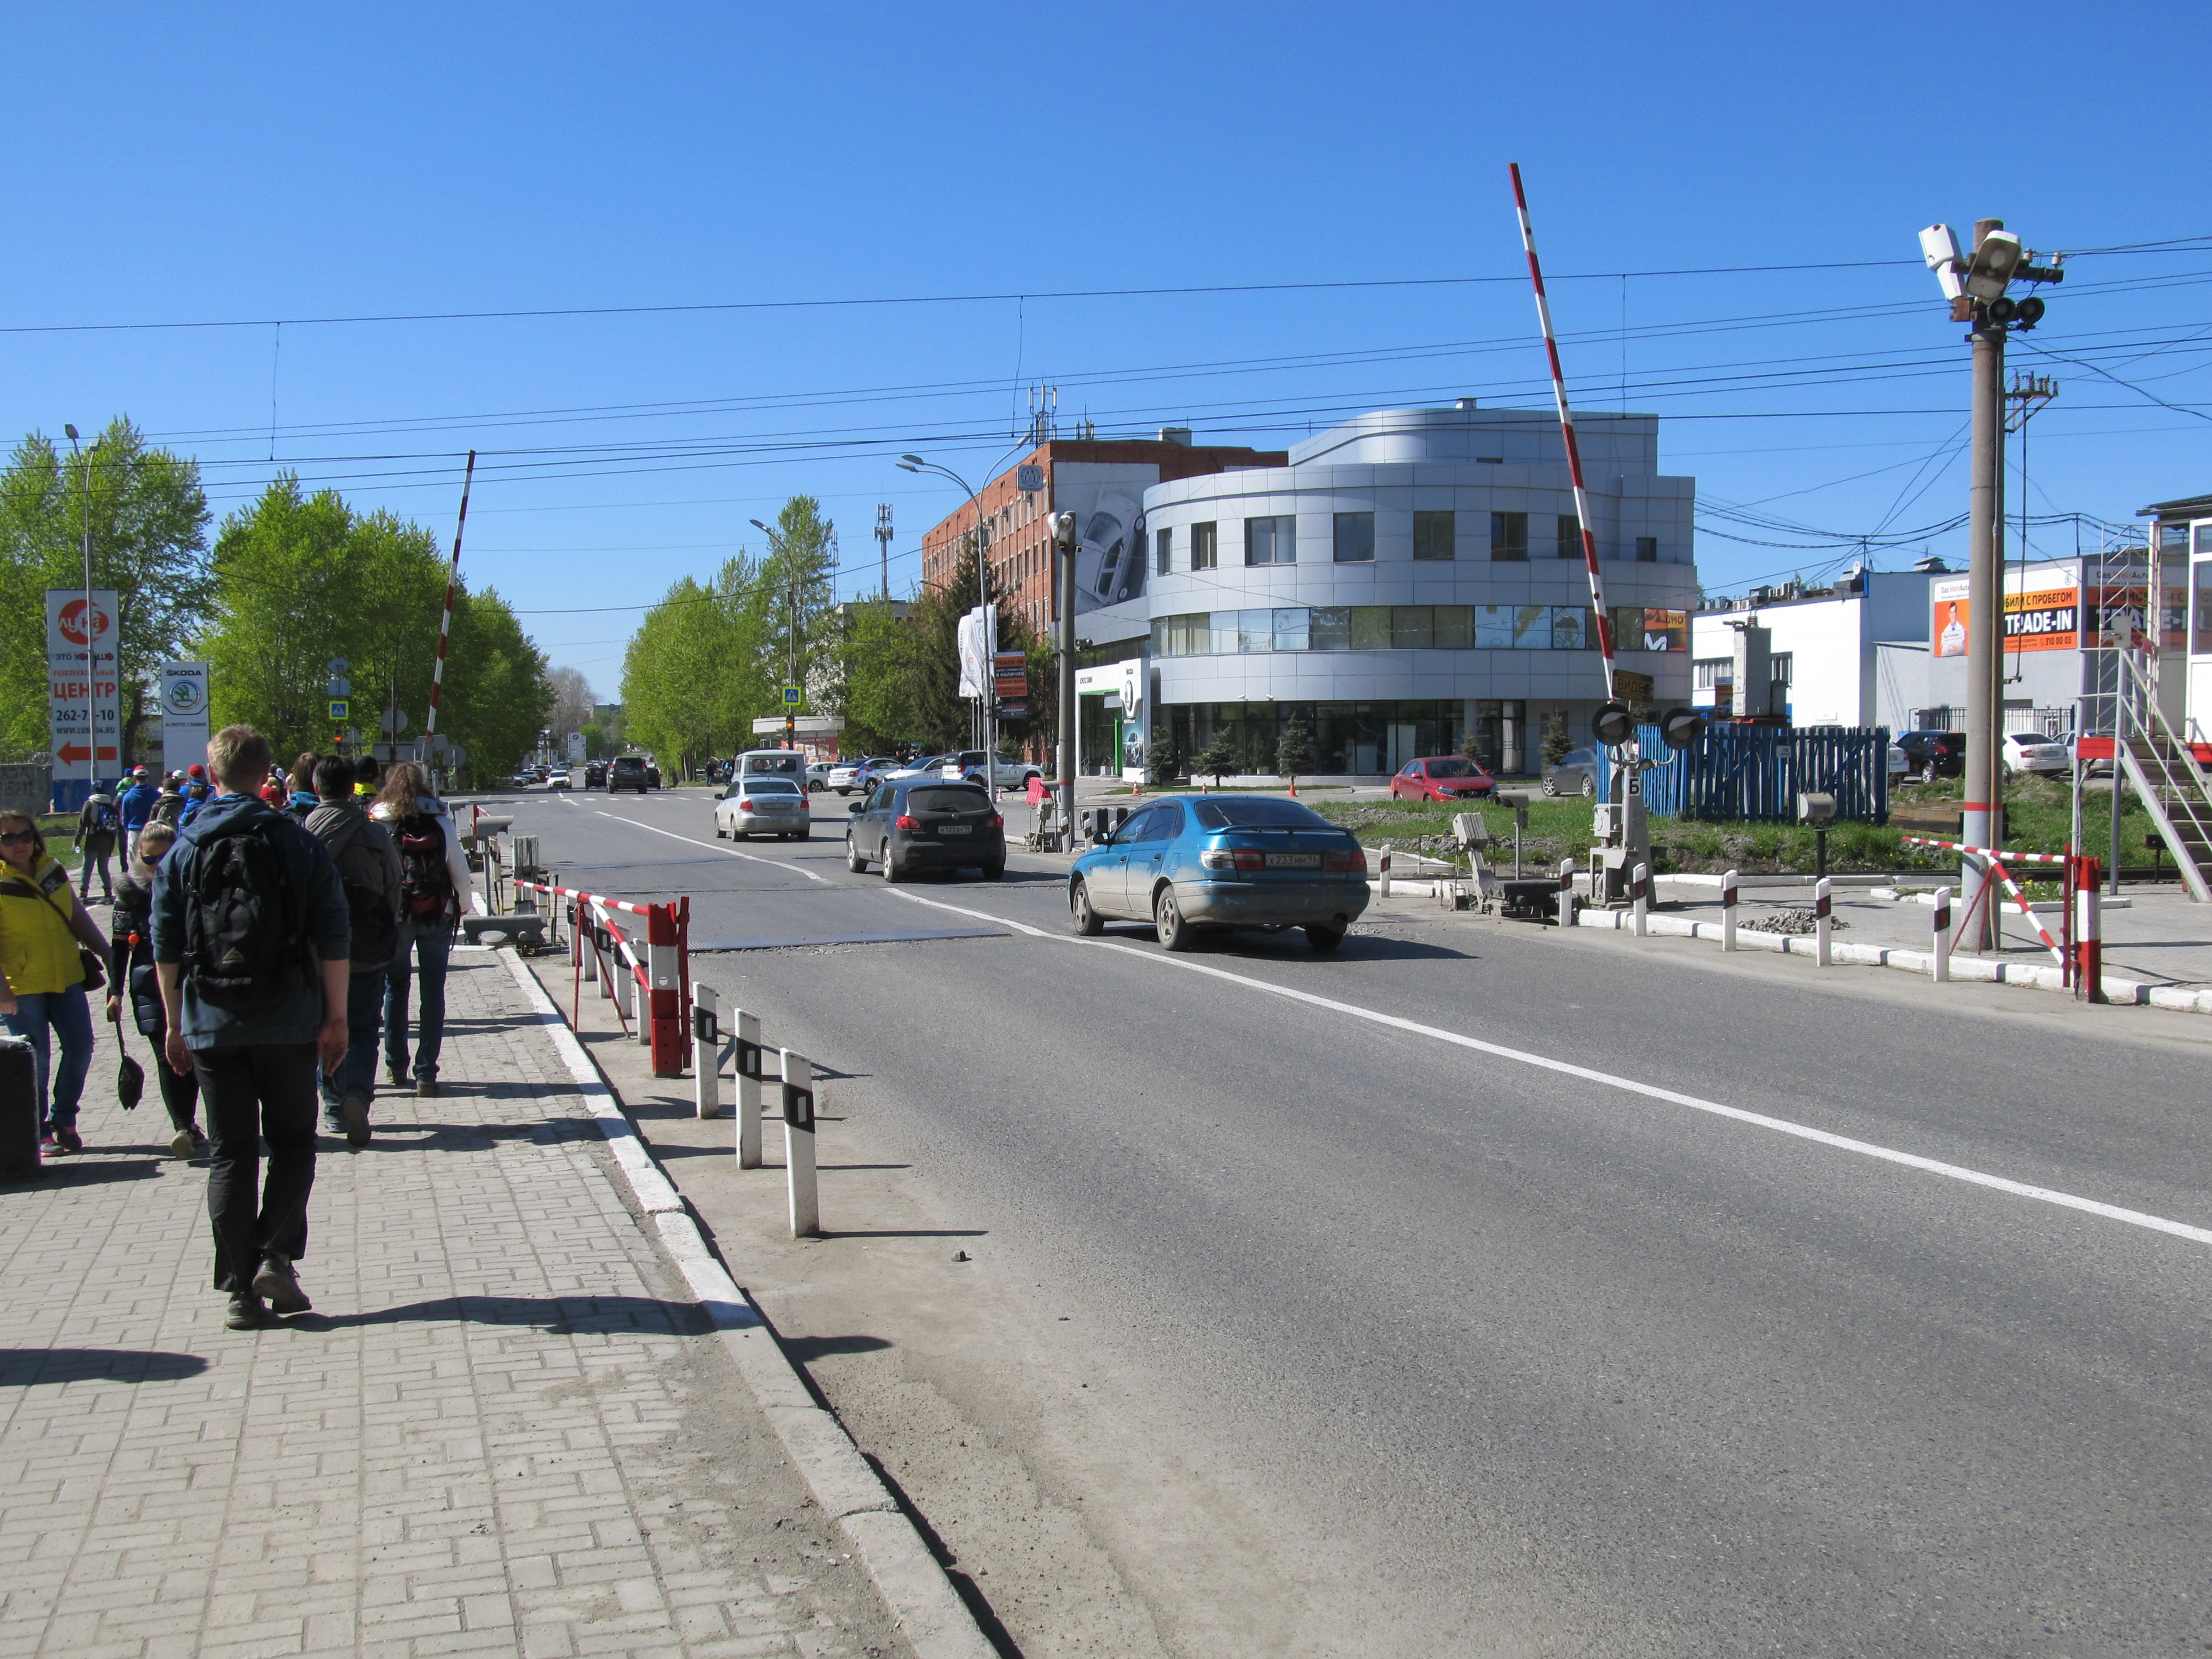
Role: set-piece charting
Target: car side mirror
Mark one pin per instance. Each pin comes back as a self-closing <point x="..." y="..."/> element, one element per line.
<point x="857" y="808"/>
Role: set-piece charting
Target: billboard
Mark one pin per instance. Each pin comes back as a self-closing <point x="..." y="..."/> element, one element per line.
<point x="2037" y="619"/>
<point x="1107" y="499"/>
<point x="84" y="700"/>
<point x="183" y="714"/>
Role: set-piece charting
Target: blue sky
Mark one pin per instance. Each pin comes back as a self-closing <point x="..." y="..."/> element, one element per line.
<point x="220" y="165"/>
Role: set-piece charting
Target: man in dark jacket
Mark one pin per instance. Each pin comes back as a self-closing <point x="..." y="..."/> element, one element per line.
<point x="252" y="941"/>
<point x="134" y="807"/>
<point x="369" y="871"/>
<point x="97" y="826"/>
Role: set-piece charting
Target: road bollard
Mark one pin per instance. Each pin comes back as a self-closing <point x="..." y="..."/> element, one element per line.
<point x="1566" y="892"/>
<point x="1727" y="908"/>
<point x="1939" y="954"/>
<point x="745" y="1047"/>
<point x="1382" y="884"/>
<point x="799" y="1144"/>
<point x="2088" y="933"/>
<point x="1639" y="893"/>
<point x="1821" y="903"/>
<point x="663" y="959"/>
<point x="640" y="1021"/>
<point x="705" y="1052"/>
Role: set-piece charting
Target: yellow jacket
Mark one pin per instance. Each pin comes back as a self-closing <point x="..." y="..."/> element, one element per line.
<point x="38" y="953"/>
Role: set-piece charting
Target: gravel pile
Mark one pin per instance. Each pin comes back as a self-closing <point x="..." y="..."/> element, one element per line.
<point x="1790" y="921"/>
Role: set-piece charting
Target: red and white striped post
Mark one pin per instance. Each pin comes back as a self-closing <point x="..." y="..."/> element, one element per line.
<point x="445" y="621"/>
<point x="664" y="992"/>
<point x="1567" y="432"/>
<point x="2089" y="930"/>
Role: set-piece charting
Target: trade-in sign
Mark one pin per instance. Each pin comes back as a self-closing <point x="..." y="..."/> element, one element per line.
<point x="82" y="700"/>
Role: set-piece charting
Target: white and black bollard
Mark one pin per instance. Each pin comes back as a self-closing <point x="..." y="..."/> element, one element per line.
<point x="1727" y="908"/>
<point x="705" y="1052"/>
<point x="1821" y="903"/>
<point x="799" y="1144"/>
<point x="745" y="1047"/>
<point x="1566" y="892"/>
<point x="1639" y="893"/>
<point x="1383" y="885"/>
<point x="1939" y="955"/>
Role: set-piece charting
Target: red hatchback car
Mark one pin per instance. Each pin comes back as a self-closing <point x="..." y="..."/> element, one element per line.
<point x="1441" y="777"/>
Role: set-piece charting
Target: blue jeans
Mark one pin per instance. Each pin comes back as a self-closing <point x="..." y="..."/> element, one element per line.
<point x="424" y="946"/>
<point x="356" y="1072"/>
<point x="68" y="1015"/>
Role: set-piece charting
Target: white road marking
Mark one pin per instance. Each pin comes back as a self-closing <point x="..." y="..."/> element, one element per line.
<point x="715" y="847"/>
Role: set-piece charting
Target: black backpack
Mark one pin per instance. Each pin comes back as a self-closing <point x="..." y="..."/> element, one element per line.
<point x="375" y="928"/>
<point x="426" y="886"/>
<point x="245" y="940"/>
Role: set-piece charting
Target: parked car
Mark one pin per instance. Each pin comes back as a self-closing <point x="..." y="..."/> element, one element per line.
<point x="1441" y="777"/>
<point x="1007" y="771"/>
<point x="1931" y="754"/>
<point x="1898" y="766"/>
<point x="818" y="775"/>
<point x="761" y="805"/>
<point x="526" y="779"/>
<point x="922" y="766"/>
<point x="2028" y="751"/>
<point x="595" y="775"/>
<point x="653" y="773"/>
<point x="926" y="823"/>
<point x="863" y="774"/>
<point x="558" y="779"/>
<point x="1223" y="862"/>
<point x="1574" y="773"/>
<point x="630" y="772"/>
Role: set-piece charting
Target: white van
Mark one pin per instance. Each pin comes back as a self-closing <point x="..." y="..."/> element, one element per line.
<point x="772" y="763"/>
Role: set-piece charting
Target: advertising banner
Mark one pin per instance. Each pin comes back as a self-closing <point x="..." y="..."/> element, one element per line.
<point x="1947" y="627"/>
<point x="183" y="714"/>
<point x="974" y="646"/>
<point x="2039" y="619"/>
<point x="1107" y="499"/>
<point x="82" y="694"/>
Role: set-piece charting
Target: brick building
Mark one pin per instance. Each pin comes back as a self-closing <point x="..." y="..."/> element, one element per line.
<point x="1103" y="481"/>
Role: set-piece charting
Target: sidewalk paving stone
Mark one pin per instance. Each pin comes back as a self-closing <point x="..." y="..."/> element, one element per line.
<point x="507" y="1426"/>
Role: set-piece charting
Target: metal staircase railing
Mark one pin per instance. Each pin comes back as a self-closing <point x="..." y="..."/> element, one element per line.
<point x="2173" y="786"/>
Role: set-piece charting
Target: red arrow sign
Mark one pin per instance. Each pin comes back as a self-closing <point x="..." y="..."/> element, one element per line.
<point x="70" y="753"/>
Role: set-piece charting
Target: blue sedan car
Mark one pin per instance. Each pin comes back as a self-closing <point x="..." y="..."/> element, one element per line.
<point x="1207" y="861"/>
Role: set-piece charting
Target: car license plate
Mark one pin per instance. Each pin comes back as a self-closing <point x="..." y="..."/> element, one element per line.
<point x="955" y="828"/>
<point x="1294" y="860"/>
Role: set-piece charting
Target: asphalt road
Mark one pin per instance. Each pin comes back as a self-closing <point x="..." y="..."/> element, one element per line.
<point x="1534" y="1347"/>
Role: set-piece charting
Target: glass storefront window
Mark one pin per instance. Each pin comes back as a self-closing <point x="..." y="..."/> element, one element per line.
<point x="1355" y="537"/>
<point x="1493" y="626"/>
<point x="1292" y="628"/>
<point x="1371" y="628"/>
<point x="1454" y="627"/>
<point x="1412" y="626"/>
<point x="1568" y="632"/>
<point x="1328" y="628"/>
<point x="1532" y="627"/>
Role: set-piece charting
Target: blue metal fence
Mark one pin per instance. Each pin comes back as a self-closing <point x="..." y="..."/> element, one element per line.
<point x="1756" y="772"/>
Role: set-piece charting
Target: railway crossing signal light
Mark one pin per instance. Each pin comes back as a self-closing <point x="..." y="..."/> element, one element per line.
<point x="1681" y="728"/>
<point x="1613" y="725"/>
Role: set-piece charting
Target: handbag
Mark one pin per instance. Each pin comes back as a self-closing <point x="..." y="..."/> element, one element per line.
<point x="130" y="1082"/>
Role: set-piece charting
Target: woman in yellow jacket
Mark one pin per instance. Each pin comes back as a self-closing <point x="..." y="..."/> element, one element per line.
<point x="41" y="926"/>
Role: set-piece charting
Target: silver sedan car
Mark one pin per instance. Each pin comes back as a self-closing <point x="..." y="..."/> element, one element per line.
<point x="764" y="807"/>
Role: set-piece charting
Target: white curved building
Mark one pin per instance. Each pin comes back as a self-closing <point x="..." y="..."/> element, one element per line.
<point x="1411" y="577"/>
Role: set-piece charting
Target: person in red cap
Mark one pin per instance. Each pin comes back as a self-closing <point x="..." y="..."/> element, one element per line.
<point x="196" y="792"/>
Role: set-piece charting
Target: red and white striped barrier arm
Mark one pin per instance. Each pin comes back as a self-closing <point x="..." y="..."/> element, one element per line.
<point x="1997" y="867"/>
<point x="2003" y="855"/>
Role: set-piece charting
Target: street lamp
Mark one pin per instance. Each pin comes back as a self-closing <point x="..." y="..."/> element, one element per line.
<point x="987" y="689"/>
<point x="790" y="710"/>
<point x="91" y="658"/>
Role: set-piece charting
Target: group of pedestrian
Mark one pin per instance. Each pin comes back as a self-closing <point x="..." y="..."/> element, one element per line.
<point x="263" y="946"/>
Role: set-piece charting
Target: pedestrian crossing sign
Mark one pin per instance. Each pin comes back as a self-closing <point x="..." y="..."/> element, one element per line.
<point x="340" y="709"/>
<point x="792" y="697"/>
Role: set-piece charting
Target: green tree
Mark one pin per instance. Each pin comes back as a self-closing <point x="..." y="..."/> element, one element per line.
<point x="1166" y="757"/>
<point x="1557" y="739"/>
<point x="595" y="741"/>
<point x="148" y="517"/>
<point x="1294" y="749"/>
<point x="1218" y="757"/>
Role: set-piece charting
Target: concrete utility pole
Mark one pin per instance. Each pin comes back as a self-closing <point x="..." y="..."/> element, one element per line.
<point x="1064" y="541"/>
<point x="91" y="642"/>
<point x="883" y="545"/>
<point x="1975" y="284"/>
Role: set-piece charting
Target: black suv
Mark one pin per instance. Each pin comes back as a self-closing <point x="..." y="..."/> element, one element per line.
<point x="926" y="823"/>
<point x="630" y="772"/>
<point x="1933" y="754"/>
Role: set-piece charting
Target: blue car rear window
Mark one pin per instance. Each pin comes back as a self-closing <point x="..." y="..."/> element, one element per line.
<point x="1256" y="813"/>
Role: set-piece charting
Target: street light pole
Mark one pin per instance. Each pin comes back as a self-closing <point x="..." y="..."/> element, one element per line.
<point x="91" y="656"/>
<point x="988" y="689"/>
<point x="1064" y="541"/>
<point x="790" y="710"/>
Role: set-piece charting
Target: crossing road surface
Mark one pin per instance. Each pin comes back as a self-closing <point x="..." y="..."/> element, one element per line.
<point x="1513" y="1293"/>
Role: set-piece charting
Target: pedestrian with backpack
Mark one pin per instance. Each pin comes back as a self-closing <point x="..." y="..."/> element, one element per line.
<point x="196" y="792"/>
<point x="134" y="805"/>
<point x="433" y="890"/>
<point x="97" y="826"/>
<point x="49" y="948"/>
<point x="253" y="945"/>
<point x="136" y="986"/>
<point x="368" y="870"/>
<point x="169" y="803"/>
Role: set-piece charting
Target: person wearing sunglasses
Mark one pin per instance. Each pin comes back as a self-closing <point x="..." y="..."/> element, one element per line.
<point x="44" y="936"/>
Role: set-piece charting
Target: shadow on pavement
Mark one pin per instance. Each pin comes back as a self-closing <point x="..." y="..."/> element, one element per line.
<point x="808" y="1349"/>
<point x="86" y="1169"/>
<point x="24" y="1368"/>
<point x="565" y="1315"/>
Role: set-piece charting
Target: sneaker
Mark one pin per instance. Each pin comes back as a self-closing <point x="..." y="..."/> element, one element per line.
<point x="67" y="1140"/>
<point x="280" y="1286"/>
<point x="395" y="1075"/>
<point x="46" y="1147"/>
<point x="356" y="1109"/>
<point x="426" y="1085"/>
<point x="202" y="1148"/>
<point x="247" y="1313"/>
<point x="181" y="1144"/>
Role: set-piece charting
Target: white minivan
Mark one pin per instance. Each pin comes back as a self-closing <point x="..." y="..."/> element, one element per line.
<point x="772" y="763"/>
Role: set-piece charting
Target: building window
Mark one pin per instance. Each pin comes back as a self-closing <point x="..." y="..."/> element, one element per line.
<point x="1647" y="549"/>
<point x="1711" y="670"/>
<point x="1778" y="668"/>
<point x="1570" y="537"/>
<point x="1355" y="537"/>
<point x="1163" y="545"/>
<point x="1203" y="547"/>
<point x="1271" y="541"/>
<point x="1509" y="537"/>
<point x="1433" y="535"/>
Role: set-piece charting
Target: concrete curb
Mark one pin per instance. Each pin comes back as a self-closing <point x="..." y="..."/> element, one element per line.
<point x="2181" y="998"/>
<point x="928" y="1611"/>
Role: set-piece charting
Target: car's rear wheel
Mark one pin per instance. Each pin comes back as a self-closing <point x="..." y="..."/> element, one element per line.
<point x="1550" y="788"/>
<point x="892" y="870"/>
<point x="1088" y="921"/>
<point x="1323" y="939"/>
<point x="854" y="861"/>
<point x="1176" y="934"/>
<point x="995" y="872"/>
<point x="720" y="834"/>
<point x="804" y="835"/>
<point x="1590" y="787"/>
